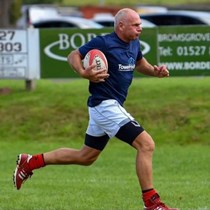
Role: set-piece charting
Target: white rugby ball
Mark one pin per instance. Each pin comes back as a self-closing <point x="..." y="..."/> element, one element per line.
<point x="95" y="57"/>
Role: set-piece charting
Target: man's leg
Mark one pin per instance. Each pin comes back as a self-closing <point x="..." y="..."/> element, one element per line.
<point x="27" y="163"/>
<point x="84" y="156"/>
<point x="145" y="147"/>
<point x="133" y="134"/>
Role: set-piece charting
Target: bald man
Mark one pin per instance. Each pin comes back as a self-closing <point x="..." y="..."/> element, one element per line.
<point x="107" y="117"/>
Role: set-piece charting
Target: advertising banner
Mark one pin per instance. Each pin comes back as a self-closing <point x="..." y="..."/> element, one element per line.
<point x="56" y="44"/>
<point x="42" y="53"/>
<point x="185" y="50"/>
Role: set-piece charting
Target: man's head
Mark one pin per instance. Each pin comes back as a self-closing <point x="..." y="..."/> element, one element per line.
<point x="127" y="24"/>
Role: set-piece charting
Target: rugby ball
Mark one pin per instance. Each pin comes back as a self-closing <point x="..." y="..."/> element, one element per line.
<point x="95" y="57"/>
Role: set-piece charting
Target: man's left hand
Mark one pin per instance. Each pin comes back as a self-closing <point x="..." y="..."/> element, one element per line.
<point x="161" y="71"/>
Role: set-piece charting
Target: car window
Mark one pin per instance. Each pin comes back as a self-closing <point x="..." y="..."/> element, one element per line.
<point x="158" y="20"/>
<point x="173" y="20"/>
<point x="189" y="21"/>
<point x="106" y="23"/>
<point x="53" y="24"/>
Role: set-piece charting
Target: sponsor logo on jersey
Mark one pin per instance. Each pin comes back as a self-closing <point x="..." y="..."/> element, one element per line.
<point x="129" y="67"/>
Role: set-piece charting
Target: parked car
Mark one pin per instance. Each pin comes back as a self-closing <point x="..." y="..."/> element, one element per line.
<point x="66" y="22"/>
<point x="34" y="13"/>
<point x="178" y="17"/>
<point x="51" y="17"/>
<point x="107" y="20"/>
<point x="147" y="23"/>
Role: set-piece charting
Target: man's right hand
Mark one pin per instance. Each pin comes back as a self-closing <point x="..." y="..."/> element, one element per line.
<point x="95" y="75"/>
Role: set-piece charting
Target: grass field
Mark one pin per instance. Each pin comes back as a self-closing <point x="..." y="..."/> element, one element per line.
<point x="175" y="111"/>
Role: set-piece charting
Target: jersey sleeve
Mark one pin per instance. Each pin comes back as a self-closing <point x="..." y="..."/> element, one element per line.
<point x="95" y="43"/>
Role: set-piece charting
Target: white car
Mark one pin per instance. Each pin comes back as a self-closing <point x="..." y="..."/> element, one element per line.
<point x="34" y="13"/>
<point x="49" y="17"/>
<point x="66" y="22"/>
<point x="107" y="20"/>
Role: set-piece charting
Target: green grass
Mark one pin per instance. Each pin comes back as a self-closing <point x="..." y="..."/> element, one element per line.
<point x="175" y="111"/>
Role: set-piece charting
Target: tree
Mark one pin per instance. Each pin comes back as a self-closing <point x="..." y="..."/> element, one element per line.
<point x="15" y="11"/>
<point x="10" y="10"/>
<point x="4" y="13"/>
<point x="41" y="1"/>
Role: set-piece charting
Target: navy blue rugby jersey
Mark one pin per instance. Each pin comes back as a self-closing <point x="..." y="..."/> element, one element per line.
<point x="121" y="57"/>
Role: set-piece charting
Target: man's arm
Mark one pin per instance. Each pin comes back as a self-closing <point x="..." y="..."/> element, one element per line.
<point x="144" y="67"/>
<point x="75" y="61"/>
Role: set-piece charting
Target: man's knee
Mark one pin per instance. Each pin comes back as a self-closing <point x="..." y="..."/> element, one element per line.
<point x="144" y="142"/>
<point x="88" y="155"/>
<point x="87" y="161"/>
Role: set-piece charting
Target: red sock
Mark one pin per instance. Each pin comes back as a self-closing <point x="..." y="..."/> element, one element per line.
<point x="146" y="197"/>
<point x="37" y="161"/>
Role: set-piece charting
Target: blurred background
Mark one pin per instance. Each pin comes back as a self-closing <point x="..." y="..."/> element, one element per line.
<point x="69" y="13"/>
